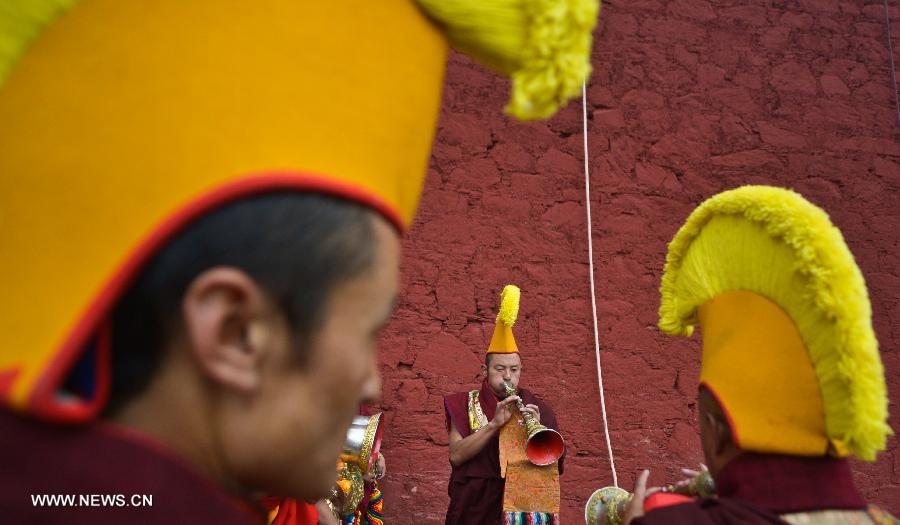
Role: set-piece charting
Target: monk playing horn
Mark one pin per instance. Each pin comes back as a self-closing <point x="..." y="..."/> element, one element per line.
<point x="492" y="479"/>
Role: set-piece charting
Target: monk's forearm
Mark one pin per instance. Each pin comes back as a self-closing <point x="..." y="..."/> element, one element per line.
<point x="468" y="447"/>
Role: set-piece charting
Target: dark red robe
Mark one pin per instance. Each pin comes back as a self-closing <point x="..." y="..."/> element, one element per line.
<point x="105" y="466"/>
<point x="756" y="488"/>
<point x="476" y="488"/>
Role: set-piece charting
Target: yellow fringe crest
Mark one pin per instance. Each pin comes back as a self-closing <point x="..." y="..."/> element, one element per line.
<point x="543" y="45"/>
<point x="509" y="305"/>
<point x="21" y="22"/>
<point x="776" y="243"/>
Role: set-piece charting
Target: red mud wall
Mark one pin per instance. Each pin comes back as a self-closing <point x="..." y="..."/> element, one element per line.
<point x="688" y="98"/>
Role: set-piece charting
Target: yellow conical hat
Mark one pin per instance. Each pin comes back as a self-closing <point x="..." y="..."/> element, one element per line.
<point x="503" y="342"/>
<point x="788" y="345"/>
<point x="123" y="121"/>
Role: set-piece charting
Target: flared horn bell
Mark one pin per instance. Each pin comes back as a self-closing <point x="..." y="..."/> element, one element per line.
<point x="363" y="442"/>
<point x="606" y="506"/>
<point x="543" y="445"/>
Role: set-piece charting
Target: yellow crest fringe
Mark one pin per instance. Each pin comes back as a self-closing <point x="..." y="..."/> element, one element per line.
<point x="544" y="45"/>
<point x="21" y="21"/>
<point x="819" y="285"/>
<point x="509" y="305"/>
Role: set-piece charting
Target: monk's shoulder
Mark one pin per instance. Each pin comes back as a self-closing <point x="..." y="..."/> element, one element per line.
<point x="456" y="396"/>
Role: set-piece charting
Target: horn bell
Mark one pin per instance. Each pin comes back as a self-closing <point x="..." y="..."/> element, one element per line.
<point x="363" y="442"/>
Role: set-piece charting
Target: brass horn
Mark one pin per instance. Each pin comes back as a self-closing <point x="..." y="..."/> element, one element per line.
<point x="358" y="458"/>
<point x="543" y="445"/>
<point x="607" y="506"/>
<point x="363" y="442"/>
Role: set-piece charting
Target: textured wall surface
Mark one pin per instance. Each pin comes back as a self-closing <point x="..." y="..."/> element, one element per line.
<point x="688" y="98"/>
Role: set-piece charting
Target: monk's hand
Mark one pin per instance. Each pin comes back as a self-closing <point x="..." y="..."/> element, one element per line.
<point x="534" y="411"/>
<point x="380" y="467"/>
<point x="378" y="470"/>
<point x="687" y="486"/>
<point x="636" y="505"/>
<point x="326" y="515"/>
<point x="504" y="412"/>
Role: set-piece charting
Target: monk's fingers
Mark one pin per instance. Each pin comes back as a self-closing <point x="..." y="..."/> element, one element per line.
<point x="640" y="487"/>
<point x="635" y="507"/>
<point x="534" y="411"/>
<point x="509" y="400"/>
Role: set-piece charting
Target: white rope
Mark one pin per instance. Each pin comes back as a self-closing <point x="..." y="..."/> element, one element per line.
<point x="587" y="201"/>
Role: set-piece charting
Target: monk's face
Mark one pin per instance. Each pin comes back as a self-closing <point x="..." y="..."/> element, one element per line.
<point x="287" y="438"/>
<point x="503" y="367"/>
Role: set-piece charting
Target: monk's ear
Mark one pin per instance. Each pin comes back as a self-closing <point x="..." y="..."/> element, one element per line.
<point x="721" y="434"/>
<point x="222" y="307"/>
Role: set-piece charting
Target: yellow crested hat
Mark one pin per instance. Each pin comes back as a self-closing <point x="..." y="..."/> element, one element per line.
<point x="503" y="342"/>
<point x="123" y="121"/>
<point x="788" y="345"/>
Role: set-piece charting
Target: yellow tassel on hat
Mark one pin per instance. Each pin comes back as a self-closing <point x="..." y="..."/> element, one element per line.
<point x="544" y="45"/>
<point x="503" y="341"/>
<point x="509" y="305"/>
